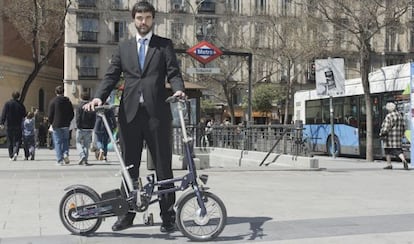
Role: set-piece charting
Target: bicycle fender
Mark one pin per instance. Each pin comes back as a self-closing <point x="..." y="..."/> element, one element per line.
<point x="79" y="186"/>
<point x="188" y="193"/>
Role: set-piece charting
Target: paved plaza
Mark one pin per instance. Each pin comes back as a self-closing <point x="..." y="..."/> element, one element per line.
<point x="345" y="201"/>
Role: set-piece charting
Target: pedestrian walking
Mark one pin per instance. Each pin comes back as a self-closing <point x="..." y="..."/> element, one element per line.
<point x="29" y="141"/>
<point x="85" y="122"/>
<point x="392" y="133"/>
<point x="146" y="61"/>
<point x="12" y="116"/>
<point x="101" y="134"/>
<point x="60" y="115"/>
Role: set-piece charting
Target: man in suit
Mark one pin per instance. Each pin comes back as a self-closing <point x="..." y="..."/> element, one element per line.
<point x="146" y="61"/>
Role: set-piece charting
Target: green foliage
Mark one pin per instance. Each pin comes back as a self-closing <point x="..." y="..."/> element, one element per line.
<point x="206" y="104"/>
<point x="266" y="95"/>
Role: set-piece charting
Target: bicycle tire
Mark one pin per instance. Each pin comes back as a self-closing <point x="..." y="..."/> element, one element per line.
<point x="72" y="199"/>
<point x="198" y="228"/>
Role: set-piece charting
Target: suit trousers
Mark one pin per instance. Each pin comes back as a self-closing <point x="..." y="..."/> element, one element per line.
<point x="157" y="134"/>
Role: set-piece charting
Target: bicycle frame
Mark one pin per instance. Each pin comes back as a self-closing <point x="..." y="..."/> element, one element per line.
<point x="190" y="179"/>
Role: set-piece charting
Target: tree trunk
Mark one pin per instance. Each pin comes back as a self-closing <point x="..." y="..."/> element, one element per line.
<point x="28" y="82"/>
<point x="365" y="59"/>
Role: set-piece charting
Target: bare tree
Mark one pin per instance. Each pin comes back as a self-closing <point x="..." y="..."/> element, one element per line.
<point x="362" y="21"/>
<point x="41" y="24"/>
<point x="293" y="42"/>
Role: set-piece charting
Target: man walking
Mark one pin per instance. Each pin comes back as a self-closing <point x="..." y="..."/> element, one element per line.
<point x="12" y="116"/>
<point x="60" y="115"/>
<point x="146" y="61"/>
<point x="85" y="122"/>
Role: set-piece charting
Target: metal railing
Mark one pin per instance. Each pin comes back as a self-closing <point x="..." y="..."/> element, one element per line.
<point x="249" y="137"/>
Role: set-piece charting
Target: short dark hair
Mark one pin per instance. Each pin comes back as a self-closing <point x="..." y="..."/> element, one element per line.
<point x="143" y="7"/>
<point x="59" y="90"/>
<point x="15" y="95"/>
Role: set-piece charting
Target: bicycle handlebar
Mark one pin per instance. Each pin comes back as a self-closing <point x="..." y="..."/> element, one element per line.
<point x="104" y="107"/>
<point x="174" y="99"/>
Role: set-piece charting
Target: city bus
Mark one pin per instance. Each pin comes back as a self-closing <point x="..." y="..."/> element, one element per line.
<point x="387" y="83"/>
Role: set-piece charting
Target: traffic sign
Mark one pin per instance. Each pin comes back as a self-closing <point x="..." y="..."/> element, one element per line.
<point x="204" y="52"/>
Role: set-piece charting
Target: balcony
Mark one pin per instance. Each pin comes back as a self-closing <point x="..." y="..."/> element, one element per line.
<point x="87" y="72"/>
<point x="207" y="7"/>
<point x="87" y="36"/>
<point x="87" y="3"/>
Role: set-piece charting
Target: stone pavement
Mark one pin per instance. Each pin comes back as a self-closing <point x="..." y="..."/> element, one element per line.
<point x="347" y="201"/>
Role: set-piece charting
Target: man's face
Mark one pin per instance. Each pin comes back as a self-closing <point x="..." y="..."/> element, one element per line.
<point x="143" y="22"/>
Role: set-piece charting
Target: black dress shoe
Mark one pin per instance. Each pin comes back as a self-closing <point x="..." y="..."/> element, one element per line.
<point x="167" y="227"/>
<point x="123" y="222"/>
<point x="388" y="167"/>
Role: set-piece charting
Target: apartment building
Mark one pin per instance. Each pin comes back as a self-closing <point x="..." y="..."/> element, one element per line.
<point x="94" y="27"/>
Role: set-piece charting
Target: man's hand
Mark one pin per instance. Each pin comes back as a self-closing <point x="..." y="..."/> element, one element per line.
<point x="1" y="127"/>
<point x="90" y="106"/>
<point x="179" y="94"/>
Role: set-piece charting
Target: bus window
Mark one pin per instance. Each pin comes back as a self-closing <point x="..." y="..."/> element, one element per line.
<point x="325" y="111"/>
<point x="350" y="111"/>
<point x="313" y="112"/>
<point x="338" y="107"/>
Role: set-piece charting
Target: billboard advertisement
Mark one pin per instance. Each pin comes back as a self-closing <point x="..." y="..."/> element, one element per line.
<point x="330" y="76"/>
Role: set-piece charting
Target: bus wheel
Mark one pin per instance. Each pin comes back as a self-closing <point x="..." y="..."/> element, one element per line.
<point x="336" y="149"/>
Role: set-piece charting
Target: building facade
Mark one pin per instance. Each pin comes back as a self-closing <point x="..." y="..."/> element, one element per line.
<point x="94" y="28"/>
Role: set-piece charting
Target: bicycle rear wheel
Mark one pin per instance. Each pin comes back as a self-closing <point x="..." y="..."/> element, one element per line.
<point x="67" y="211"/>
<point x="201" y="228"/>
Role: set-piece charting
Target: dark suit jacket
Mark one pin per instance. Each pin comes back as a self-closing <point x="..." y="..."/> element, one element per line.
<point x="160" y="65"/>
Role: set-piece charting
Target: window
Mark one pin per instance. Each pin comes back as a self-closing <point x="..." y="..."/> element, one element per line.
<point x="87" y="62"/>
<point x="206" y="6"/>
<point x="261" y="6"/>
<point x="88" y="66"/>
<point x="87" y="27"/>
<point x="259" y="30"/>
<point x="206" y="28"/>
<point x="119" y="5"/>
<point x="120" y="31"/>
<point x="286" y="7"/>
<point x="340" y="33"/>
<point x="233" y="6"/>
<point x="177" y="6"/>
<point x="312" y="7"/>
<point x="391" y="39"/>
<point x="87" y="3"/>
<point x="176" y="30"/>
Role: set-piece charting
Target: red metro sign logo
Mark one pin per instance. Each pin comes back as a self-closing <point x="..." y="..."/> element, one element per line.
<point x="204" y="52"/>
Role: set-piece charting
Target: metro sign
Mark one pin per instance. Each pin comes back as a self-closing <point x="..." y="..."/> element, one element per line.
<point x="204" y="52"/>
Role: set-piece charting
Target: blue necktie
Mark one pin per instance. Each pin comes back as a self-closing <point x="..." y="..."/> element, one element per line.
<point x="141" y="52"/>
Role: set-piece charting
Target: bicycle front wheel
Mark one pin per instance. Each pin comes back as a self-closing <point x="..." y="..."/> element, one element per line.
<point x="197" y="227"/>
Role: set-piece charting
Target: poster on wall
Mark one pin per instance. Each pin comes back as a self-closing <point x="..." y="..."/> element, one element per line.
<point x="330" y="76"/>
